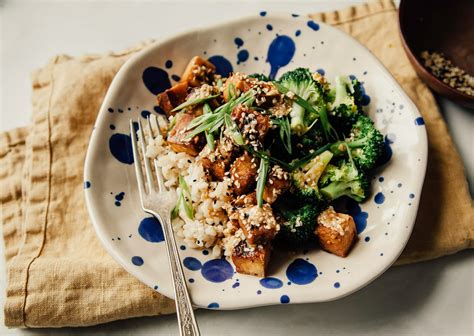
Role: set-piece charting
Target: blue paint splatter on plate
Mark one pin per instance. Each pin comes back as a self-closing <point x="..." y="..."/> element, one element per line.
<point x="242" y="56"/>
<point x="337" y="285"/>
<point x="284" y="299"/>
<point x="192" y="263"/>
<point x="137" y="261"/>
<point x="263" y="13"/>
<point x="238" y="42"/>
<point x="269" y="27"/>
<point x="156" y="80"/>
<point x="151" y="230"/>
<point x="313" y="25"/>
<point x="169" y="64"/>
<point x="301" y="272"/>
<point x="280" y="53"/>
<point x="145" y="113"/>
<point x="120" y="146"/>
<point x="271" y="283"/>
<point x="217" y="270"/>
<point x="222" y="64"/>
<point x="379" y="198"/>
<point x="419" y="121"/>
<point x="360" y="217"/>
<point x="158" y="110"/>
<point x="87" y="185"/>
<point x="213" y="305"/>
<point x="298" y="33"/>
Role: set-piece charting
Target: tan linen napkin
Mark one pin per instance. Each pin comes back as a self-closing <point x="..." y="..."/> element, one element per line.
<point x="59" y="275"/>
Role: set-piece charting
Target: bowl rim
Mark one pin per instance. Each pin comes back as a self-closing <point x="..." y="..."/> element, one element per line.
<point x="420" y="67"/>
<point x="131" y="63"/>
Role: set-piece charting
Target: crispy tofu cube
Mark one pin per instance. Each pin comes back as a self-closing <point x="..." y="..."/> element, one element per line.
<point x="258" y="223"/>
<point x="251" y="260"/>
<point x="277" y="183"/>
<point x="336" y="232"/>
<point x="246" y="200"/>
<point x="240" y="82"/>
<point x="172" y="97"/>
<point x="218" y="162"/>
<point x="198" y="71"/>
<point x="253" y="125"/>
<point x="243" y="173"/>
<point x="177" y="136"/>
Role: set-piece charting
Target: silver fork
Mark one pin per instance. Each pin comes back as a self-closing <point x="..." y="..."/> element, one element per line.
<point x="158" y="201"/>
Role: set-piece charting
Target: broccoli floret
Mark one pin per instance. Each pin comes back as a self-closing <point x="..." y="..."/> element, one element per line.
<point x="305" y="179"/>
<point x="301" y="82"/>
<point x="299" y="225"/>
<point x="344" y="180"/>
<point x="311" y="140"/>
<point x="260" y="77"/>
<point x="345" y="106"/>
<point x="365" y="143"/>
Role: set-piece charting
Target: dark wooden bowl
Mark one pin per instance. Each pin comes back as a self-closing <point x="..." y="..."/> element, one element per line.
<point x="442" y="26"/>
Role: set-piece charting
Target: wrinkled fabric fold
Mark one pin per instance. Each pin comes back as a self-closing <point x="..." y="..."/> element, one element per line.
<point x="59" y="274"/>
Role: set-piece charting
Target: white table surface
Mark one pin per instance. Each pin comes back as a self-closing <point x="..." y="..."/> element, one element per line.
<point x="430" y="298"/>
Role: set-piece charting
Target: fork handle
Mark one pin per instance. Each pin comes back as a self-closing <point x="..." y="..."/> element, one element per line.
<point x="186" y="320"/>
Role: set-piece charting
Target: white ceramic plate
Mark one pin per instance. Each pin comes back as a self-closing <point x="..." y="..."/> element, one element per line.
<point x="268" y="44"/>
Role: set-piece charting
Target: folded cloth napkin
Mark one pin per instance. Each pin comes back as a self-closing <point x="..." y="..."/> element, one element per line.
<point x="59" y="275"/>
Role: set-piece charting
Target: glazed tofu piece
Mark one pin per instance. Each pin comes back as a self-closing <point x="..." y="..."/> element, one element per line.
<point x="277" y="183"/>
<point x="336" y="232"/>
<point x="198" y="71"/>
<point x="258" y="223"/>
<point x="172" y="97"/>
<point x="253" y="125"/>
<point x="246" y="200"/>
<point x="240" y="82"/>
<point x="251" y="260"/>
<point x="218" y="162"/>
<point x="243" y="173"/>
<point x="177" y="136"/>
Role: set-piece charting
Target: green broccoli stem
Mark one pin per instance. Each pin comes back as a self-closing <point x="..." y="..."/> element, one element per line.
<point x="338" y="189"/>
<point x="297" y="119"/>
<point x="340" y="147"/>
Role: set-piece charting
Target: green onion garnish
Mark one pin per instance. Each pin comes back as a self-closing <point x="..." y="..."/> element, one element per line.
<point x="195" y="101"/>
<point x="262" y="179"/>
<point x="308" y="157"/>
<point x="209" y="136"/>
<point x="183" y="199"/>
<point x="285" y="132"/>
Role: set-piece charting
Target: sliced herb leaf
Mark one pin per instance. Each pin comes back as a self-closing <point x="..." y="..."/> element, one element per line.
<point x="212" y="122"/>
<point x="186" y="197"/>
<point x="209" y="136"/>
<point x="308" y="157"/>
<point x="233" y="130"/>
<point x="195" y="101"/>
<point x="172" y="123"/>
<point x="175" y="211"/>
<point x="284" y="132"/>
<point x="262" y="179"/>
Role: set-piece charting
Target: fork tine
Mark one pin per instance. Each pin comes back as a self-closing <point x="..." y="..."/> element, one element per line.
<point x="148" y="173"/>
<point x="136" y="160"/>
<point x="158" y="172"/>
<point x="157" y="124"/>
